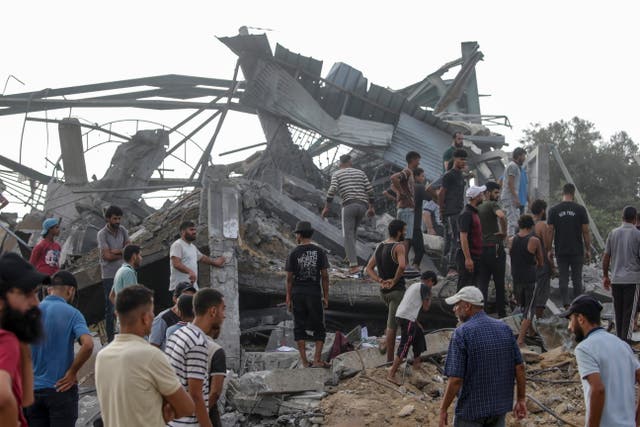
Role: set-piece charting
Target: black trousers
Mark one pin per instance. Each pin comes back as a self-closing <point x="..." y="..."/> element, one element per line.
<point x="625" y="305"/>
<point x="53" y="409"/>
<point x="573" y="263"/>
<point x="466" y="277"/>
<point x="492" y="265"/>
<point x="417" y="242"/>
<point x="308" y="314"/>
<point x="451" y="245"/>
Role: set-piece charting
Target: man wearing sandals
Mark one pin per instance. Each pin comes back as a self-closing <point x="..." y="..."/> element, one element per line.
<point x="306" y="267"/>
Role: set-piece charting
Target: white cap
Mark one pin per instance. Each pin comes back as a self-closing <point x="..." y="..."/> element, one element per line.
<point x="469" y="294"/>
<point x="474" y="191"/>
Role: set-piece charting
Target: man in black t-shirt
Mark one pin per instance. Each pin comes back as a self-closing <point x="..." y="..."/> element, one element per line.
<point x="306" y="265"/>
<point x="470" y="238"/>
<point x="451" y="201"/>
<point x="568" y="226"/>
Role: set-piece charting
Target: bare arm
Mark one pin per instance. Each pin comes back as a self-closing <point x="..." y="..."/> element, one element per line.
<point x="586" y="236"/>
<point x="111" y="254"/>
<point x="396" y="178"/>
<point x="428" y="221"/>
<point x="550" y="235"/>
<point x="195" y="391"/>
<point x="638" y="404"/>
<point x="534" y="247"/>
<point x="464" y="245"/>
<point x="216" y="262"/>
<point x="520" y="408"/>
<point x="502" y="222"/>
<point x="27" y="375"/>
<point x="8" y="404"/>
<point x="441" y="197"/>
<point x="325" y="286"/>
<point x="402" y="264"/>
<point x="596" y="402"/>
<point x="289" y="287"/>
<point x="181" y="403"/>
<point x="370" y="269"/>
<point x="112" y="296"/>
<point x="606" y="261"/>
<point x="70" y="379"/>
<point x="453" y="387"/>
<point x="217" y="381"/>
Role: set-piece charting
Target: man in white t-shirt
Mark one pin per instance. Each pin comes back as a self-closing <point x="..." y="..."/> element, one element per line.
<point x="185" y="257"/>
<point x="608" y="368"/>
<point x="416" y="299"/>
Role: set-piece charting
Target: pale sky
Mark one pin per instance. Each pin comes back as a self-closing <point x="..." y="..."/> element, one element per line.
<point x="544" y="61"/>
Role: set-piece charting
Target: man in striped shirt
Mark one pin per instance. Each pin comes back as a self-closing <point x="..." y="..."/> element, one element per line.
<point x="188" y="353"/>
<point x="356" y="193"/>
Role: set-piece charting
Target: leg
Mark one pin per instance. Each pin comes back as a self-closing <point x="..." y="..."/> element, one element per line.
<point x="617" y="293"/>
<point x="576" y="274"/>
<point x="453" y="249"/>
<point x="418" y="247"/>
<point x="498" y="280"/>
<point x="107" y="284"/>
<point x="38" y="414"/>
<point x="316" y="321"/>
<point x="299" y="311"/>
<point x="563" y="279"/>
<point x="403" y="348"/>
<point x="349" y="226"/>
<point x="486" y="269"/>
<point x="390" y="338"/>
<point x="630" y="294"/>
<point x="302" y="349"/>
<point x="63" y="410"/>
<point x="511" y="213"/>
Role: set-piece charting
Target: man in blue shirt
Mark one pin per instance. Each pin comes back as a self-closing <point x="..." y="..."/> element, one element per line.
<point x="126" y="274"/>
<point x="54" y="365"/>
<point x="482" y="363"/>
<point x="608" y="368"/>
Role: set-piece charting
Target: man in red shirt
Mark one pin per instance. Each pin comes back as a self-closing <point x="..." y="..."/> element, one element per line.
<point x="45" y="256"/>
<point x="20" y="325"/>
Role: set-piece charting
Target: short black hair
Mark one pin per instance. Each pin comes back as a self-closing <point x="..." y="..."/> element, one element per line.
<point x="412" y="155"/>
<point x="629" y="213"/>
<point x="204" y="299"/>
<point x="429" y="275"/>
<point x="345" y="158"/>
<point x="129" y="251"/>
<point x="186" y="224"/>
<point x="518" y="152"/>
<point x="538" y="206"/>
<point x="525" y="221"/>
<point x="305" y="234"/>
<point x="112" y="211"/>
<point x="460" y="153"/>
<point x="185" y="305"/>
<point x="492" y="185"/>
<point x="132" y="298"/>
<point x="456" y="134"/>
<point x="396" y="226"/>
<point x="569" y="189"/>
<point x="417" y="172"/>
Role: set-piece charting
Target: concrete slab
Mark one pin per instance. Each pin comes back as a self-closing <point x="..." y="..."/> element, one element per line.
<point x="266" y="361"/>
<point x="349" y="363"/>
<point x="437" y="342"/>
<point x="281" y="381"/>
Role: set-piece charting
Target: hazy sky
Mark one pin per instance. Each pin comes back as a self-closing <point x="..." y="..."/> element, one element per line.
<point x="543" y="62"/>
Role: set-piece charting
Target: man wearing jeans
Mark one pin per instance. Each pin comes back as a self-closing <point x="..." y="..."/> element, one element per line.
<point x="54" y="365"/>
<point x="404" y="184"/>
<point x="509" y="197"/>
<point x="111" y="241"/>
<point x="568" y="226"/>
<point x="356" y="193"/>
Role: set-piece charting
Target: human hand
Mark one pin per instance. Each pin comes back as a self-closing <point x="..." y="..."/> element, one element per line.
<point x="168" y="414"/>
<point x="520" y="409"/>
<point x="325" y="302"/>
<point x="386" y="284"/>
<point x="66" y="382"/>
<point x="219" y="261"/>
<point x="468" y="265"/>
<point x="371" y="212"/>
<point x="432" y="231"/>
<point x="443" y="418"/>
<point x="606" y="282"/>
<point x="288" y="302"/>
<point x="325" y="212"/>
<point x="192" y="277"/>
<point x="500" y="235"/>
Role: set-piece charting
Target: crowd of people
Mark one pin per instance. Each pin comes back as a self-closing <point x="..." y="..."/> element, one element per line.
<point x="167" y="369"/>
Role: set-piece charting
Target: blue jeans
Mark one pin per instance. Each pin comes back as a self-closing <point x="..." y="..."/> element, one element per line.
<point x="107" y="284"/>
<point x="495" y="421"/>
<point x="53" y="409"/>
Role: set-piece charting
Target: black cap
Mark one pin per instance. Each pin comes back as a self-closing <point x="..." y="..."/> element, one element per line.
<point x="303" y="226"/>
<point x="182" y="287"/>
<point x="64" y="278"/>
<point x="584" y="304"/>
<point x="15" y="272"/>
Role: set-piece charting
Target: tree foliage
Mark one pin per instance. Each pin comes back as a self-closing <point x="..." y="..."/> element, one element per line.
<point x="605" y="171"/>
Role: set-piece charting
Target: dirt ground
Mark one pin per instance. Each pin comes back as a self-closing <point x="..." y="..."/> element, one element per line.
<point x="369" y="400"/>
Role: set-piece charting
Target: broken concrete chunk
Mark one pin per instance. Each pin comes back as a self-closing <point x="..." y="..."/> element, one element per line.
<point x="406" y="411"/>
<point x="437" y="342"/>
<point x="258" y="361"/>
<point x="281" y="381"/>
<point x="348" y="364"/>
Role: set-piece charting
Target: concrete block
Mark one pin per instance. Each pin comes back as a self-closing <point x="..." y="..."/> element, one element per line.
<point x="348" y="364"/>
<point x="267" y="361"/>
<point x="285" y="381"/>
<point x="437" y="343"/>
<point x="266" y="406"/>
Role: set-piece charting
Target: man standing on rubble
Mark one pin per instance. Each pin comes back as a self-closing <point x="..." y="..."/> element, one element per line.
<point x="543" y="274"/>
<point x="54" y="364"/>
<point x="356" y="193"/>
<point x="482" y="362"/>
<point x="111" y="242"/>
<point x="456" y="144"/>
<point x="568" y="226"/>
<point x="20" y="325"/>
<point x="451" y="201"/>
<point x="389" y="258"/>
<point x="403" y="183"/>
<point x="45" y="256"/>
<point x="608" y="368"/>
<point x="470" y="252"/>
<point x="188" y="349"/>
<point x="420" y="197"/>
<point x="185" y="257"/>
<point x="307" y="267"/>
<point x="135" y="383"/>
<point x="493" y="260"/>
<point x="509" y="197"/>
<point x="622" y="257"/>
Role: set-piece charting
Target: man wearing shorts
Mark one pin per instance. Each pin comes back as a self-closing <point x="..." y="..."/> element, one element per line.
<point x="389" y="257"/>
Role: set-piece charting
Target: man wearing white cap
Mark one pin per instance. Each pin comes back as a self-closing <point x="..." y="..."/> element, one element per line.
<point x="482" y="363"/>
<point x="470" y="238"/>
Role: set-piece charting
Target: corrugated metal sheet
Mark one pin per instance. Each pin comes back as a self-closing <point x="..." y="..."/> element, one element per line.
<point x="414" y="135"/>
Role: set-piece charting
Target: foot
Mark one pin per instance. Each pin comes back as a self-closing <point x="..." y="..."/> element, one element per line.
<point x="320" y="364"/>
<point x="392" y="379"/>
<point x="355" y="269"/>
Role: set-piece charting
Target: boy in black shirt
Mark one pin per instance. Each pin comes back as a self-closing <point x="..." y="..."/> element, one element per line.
<point x="305" y="266"/>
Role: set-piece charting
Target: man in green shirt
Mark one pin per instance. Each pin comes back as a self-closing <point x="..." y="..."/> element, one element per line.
<point x="493" y="259"/>
<point x="126" y="275"/>
<point x="447" y="157"/>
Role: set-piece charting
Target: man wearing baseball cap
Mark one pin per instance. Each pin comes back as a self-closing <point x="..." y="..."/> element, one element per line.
<point x="470" y="228"/>
<point x="170" y="316"/>
<point x="54" y="364"/>
<point x="482" y="363"/>
<point x="20" y="325"/>
<point x="45" y="256"/>
<point x="608" y="368"/>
